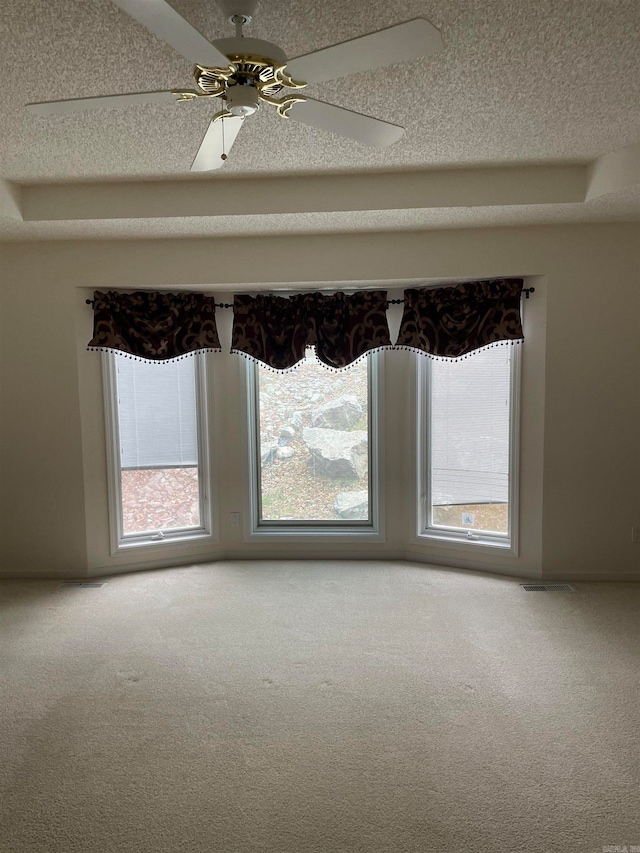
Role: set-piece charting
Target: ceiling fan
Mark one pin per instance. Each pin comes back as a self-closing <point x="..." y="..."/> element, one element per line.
<point x="243" y="72"/>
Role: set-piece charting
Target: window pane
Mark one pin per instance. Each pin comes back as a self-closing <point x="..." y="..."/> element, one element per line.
<point x="470" y="417"/>
<point x="157" y="418"/>
<point x="159" y="499"/>
<point x="314" y="443"/>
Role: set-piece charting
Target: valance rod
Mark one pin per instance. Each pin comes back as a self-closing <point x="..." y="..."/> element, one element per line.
<point x="217" y="304"/>
<point x="525" y="290"/>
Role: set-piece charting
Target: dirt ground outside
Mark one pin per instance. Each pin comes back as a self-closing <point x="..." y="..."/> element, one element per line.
<point x="159" y="499"/>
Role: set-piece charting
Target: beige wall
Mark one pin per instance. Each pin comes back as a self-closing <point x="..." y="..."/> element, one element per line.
<point x="1" y="408"/>
<point x="42" y="511"/>
<point x="580" y="489"/>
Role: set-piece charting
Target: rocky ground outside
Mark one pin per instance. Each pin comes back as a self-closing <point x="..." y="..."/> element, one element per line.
<point x="159" y="500"/>
<point x="294" y="483"/>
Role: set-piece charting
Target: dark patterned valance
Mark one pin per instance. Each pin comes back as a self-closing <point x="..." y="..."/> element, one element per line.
<point x="454" y="320"/>
<point x="276" y="330"/>
<point x="154" y="326"/>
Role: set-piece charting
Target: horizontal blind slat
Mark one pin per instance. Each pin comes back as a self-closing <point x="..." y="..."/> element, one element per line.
<point x="470" y="429"/>
<point x="157" y="414"/>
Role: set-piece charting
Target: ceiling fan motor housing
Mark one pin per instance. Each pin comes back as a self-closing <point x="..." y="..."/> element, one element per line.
<point x="255" y="62"/>
<point x="242" y="100"/>
<point x="251" y="47"/>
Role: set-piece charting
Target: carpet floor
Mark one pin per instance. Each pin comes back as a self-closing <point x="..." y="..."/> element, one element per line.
<point x="290" y="707"/>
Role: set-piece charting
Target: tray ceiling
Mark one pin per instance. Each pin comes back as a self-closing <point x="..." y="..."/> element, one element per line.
<point x="518" y="82"/>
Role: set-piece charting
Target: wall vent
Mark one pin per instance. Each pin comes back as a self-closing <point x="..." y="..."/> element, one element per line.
<point x="81" y="585"/>
<point x="547" y="587"/>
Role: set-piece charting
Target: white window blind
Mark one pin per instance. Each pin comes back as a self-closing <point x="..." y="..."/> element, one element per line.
<point x="157" y="413"/>
<point x="470" y="428"/>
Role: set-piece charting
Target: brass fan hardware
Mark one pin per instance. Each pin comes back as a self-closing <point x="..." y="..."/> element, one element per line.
<point x="261" y="73"/>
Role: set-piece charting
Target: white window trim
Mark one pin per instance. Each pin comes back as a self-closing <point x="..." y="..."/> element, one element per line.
<point x="455" y="539"/>
<point x="151" y="543"/>
<point x="305" y="531"/>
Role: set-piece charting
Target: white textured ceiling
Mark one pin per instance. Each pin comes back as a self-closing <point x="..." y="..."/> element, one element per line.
<point x="624" y="208"/>
<point x="518" y="81"/>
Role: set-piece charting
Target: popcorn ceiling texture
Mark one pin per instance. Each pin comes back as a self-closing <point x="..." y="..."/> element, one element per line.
<point x="518" y="81"/>
<point x="555" y="80"/>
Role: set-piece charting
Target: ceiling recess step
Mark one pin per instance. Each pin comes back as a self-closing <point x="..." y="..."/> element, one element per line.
<point x="547" y="587"/>
<point x="81" y="585"/>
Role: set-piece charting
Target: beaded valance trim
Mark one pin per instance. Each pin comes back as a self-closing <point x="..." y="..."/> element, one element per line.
<point x="452" y="321"/>
<point x="154" y="326"/>
<point x="276" y="330"/>
<point x="442" y="322"/>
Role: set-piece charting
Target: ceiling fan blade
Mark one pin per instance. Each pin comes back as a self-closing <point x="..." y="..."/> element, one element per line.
<point x="400" y="43"/>
<point x="364" y="129"/>
<point x="163" y="21"/>
<point x="220" y="136"/>
<point x="50" y="108"/>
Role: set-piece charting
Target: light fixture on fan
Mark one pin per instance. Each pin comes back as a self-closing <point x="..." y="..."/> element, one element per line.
<point x="244" y="72"/>
<point x="242" y="100"/>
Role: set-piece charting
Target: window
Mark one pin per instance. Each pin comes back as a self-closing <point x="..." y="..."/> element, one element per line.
<point x="468" y="447"/>
<point x="313" y="439"/>
<point x="157" y="430"/>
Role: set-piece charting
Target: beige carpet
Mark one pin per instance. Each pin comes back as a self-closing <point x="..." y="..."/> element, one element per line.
<point x="292" y="707"/>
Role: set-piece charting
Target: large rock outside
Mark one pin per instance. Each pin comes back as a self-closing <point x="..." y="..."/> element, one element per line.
<point x="341" y="413"/>
<point x="338" y="453"/>
<point x="268" y="452"/>
<point x="285" y="453"/>
<point x="353" y="505"/>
